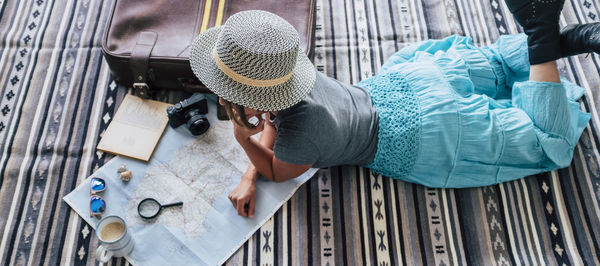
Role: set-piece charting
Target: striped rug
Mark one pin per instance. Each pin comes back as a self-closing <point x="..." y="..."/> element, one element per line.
<point x="57" y="97"/>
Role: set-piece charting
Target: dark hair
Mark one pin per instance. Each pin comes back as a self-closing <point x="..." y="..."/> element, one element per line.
<point x="236" y="113"/>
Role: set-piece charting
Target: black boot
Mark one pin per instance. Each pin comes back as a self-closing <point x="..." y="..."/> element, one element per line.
<point x="539" y="19"/>
<point x="580" y="38"/>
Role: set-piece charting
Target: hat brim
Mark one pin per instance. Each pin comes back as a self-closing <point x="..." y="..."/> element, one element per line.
<point x="273" y="98"/>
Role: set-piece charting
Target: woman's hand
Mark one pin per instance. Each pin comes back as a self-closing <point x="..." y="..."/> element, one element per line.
<point x="242" y="133"/>
<point x="243" y="197"/>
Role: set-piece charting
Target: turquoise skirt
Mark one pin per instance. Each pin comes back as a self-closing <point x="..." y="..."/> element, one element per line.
<point x="455" y="115"/>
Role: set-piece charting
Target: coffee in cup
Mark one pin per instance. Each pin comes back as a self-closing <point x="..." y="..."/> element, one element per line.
<point x="112" y="231"/>
<point x="114" y="238"/>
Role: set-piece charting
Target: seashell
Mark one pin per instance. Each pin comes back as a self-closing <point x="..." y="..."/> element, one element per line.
<point x="125" y="176"/>
<point x="122" y="169"/>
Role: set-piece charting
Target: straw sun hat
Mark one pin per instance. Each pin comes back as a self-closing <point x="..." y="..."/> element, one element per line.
<point x="253" y="60"/>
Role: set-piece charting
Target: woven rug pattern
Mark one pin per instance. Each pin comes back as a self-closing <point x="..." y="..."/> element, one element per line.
<point x="57" y="96"/>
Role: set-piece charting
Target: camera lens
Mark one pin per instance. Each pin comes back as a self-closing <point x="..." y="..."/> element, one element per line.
<point x="197" y="122"/>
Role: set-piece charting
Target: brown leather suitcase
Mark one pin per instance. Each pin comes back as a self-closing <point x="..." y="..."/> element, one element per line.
<point x="146" y="43"/>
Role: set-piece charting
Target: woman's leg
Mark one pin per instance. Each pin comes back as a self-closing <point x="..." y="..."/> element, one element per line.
<point x="544" y="72"/>
<point x="511" y="52"/>
<point x="542" y="97"/>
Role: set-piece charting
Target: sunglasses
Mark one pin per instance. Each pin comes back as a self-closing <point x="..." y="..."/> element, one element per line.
<point x="97" y="203"/>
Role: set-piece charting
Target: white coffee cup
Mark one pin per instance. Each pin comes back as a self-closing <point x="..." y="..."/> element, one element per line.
<point x="114" y="238"/>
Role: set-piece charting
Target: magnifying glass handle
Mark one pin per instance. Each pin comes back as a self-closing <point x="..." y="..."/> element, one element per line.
<point x="173" y="204"/>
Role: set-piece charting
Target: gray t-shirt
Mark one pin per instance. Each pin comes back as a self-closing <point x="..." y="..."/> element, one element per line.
<point x="335" y="124"/>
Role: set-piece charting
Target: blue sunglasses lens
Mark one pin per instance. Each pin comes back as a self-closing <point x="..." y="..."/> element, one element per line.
<point x="97" y="205"/>
<point x="97" y="184"/>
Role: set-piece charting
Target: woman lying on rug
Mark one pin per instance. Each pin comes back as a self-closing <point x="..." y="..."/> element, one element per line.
<point x="441" y="113"/>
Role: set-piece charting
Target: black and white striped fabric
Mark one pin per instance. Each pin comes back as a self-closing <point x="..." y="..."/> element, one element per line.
<point x="57" y="96"/>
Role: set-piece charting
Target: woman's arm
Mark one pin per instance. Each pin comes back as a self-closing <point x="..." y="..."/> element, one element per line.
<point x="243" y="197"/>
<point x="267" y="139"/>
<point x="262" y="156"/>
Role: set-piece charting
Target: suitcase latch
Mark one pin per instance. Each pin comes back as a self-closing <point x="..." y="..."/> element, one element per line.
<point x="141" y="89"/>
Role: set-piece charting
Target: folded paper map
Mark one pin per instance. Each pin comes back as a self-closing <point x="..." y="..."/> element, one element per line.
<point x="199" y="171"/>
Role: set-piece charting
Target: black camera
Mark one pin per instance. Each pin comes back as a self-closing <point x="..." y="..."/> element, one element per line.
<point x="191" y="111"/>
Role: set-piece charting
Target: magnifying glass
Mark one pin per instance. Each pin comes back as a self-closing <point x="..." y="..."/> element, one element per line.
<point x="150" y="208"/>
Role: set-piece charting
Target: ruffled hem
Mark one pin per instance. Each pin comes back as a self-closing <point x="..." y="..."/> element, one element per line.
<point x="554" y="111"/>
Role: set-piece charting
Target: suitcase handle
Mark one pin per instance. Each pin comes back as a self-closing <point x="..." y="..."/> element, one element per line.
<point x="139" y="62"/>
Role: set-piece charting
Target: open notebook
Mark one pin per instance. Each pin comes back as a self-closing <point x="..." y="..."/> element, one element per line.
<point x="135" y="129"/>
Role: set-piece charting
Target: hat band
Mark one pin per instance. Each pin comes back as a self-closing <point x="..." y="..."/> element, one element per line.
<point x="249" y="81"/>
